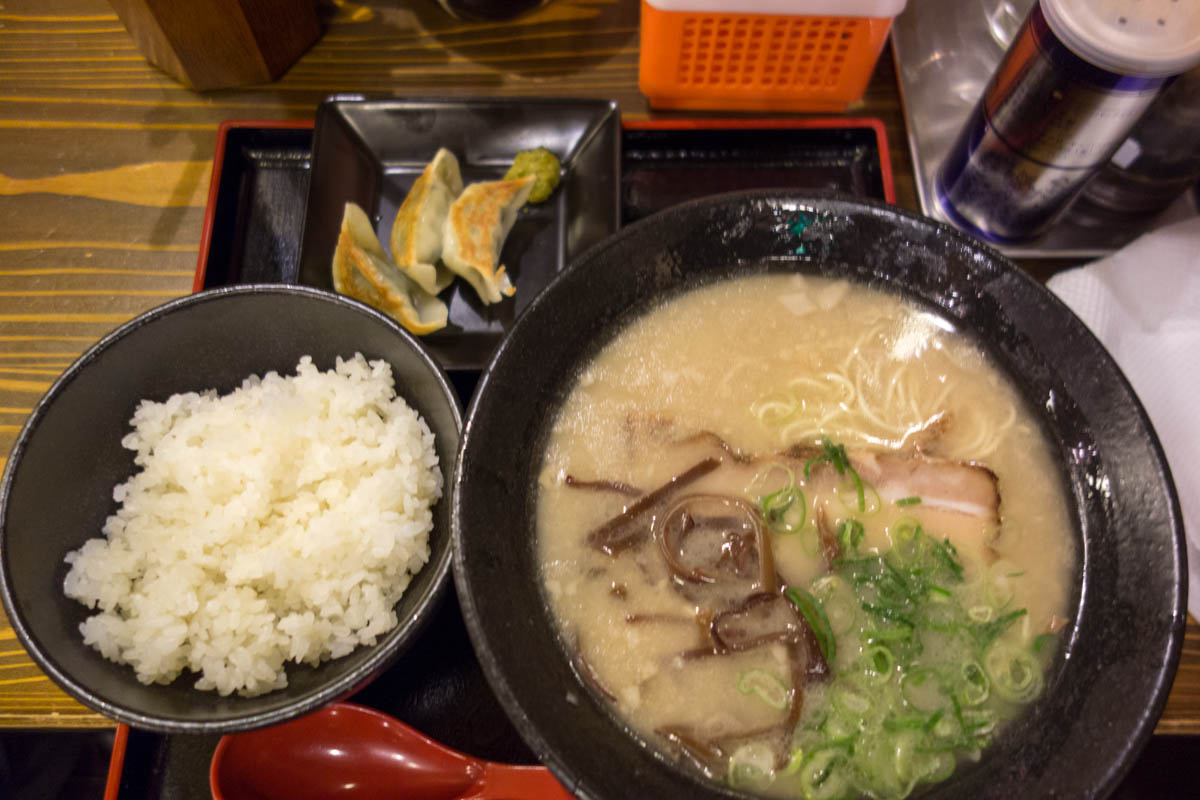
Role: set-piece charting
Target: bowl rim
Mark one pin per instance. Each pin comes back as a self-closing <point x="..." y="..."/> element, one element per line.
<point x="1160" y="683"/>
<point x="391" y="644"/>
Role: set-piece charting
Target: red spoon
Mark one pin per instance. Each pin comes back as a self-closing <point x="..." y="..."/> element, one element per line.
<point x="347" y="751"/>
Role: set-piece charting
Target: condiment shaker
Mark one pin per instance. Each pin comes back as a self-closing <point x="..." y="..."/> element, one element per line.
<point x="1074" y="82"/>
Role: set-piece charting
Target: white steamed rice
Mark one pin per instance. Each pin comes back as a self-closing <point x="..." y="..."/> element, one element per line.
<point x="279" y="522"/>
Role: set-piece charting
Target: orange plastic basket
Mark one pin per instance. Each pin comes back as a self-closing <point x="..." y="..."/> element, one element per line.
<point x="756" y="62"/>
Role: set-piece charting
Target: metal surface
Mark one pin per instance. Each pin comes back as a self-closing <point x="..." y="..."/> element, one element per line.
<point x="945" y="53"/>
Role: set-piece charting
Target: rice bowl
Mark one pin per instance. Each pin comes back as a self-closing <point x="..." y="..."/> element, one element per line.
<point x="280" y="522"/>
<point x="57" y="488"/>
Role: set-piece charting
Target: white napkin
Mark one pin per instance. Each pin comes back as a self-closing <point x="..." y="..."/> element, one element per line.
<point x="1143" y="303"/>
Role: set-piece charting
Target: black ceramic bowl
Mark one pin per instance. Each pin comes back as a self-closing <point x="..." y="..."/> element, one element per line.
<point x="1108" y="686"/>
<point x="57" y="487"/>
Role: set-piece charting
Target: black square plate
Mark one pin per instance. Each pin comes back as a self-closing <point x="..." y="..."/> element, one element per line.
<point x="665" y="162"/>
<point x="370" y="152"/>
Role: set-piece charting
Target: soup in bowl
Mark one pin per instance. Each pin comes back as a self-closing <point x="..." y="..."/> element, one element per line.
<point x="808" y="497"/>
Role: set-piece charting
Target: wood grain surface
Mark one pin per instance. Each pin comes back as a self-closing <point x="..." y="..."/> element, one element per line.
<point x="105" y="164"/>
<point x="220" y="43"/>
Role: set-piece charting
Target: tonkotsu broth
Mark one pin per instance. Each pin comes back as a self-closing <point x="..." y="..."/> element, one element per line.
<point x="725" y="379"/>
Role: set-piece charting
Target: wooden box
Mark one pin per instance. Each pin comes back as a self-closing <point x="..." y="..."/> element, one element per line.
<point x="210" y="44"/>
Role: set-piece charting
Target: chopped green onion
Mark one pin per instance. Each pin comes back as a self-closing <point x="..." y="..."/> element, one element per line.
<point x="904" y="529"/>
<point x="947" y="728"/>
<point x="945" y="552"/>
<point x="808" y="467"/>
<point x="841" y="728"/>
<point x="810" y="608"/>
<point x="999" y="591"/>
<point x="850" y="533"/>
<point x="980" y="613"/>
<point x="916" y="722"/>
<point x="860" y="491"/>
<point x="979" y="721"/>
<point x="938" y="767"/>
<point x="958" y="715"/>
<point x="932" y="666"/>
<point x="880" y="662"/>
<point x="763" y="479"/>
<point x="888" y="613"/>
<point x="820" y="777"/>
<point x="908" y="539"/>
<point x="838" y="455"/>
<point x="976" y="686"/>
<point x="908" y="763"/>
<point x="1040" y="642"/>
<point x="793" y="765"/>
<point x="838" y="602"/>
<point x="855" y="702"/>
<point x="827" y="586"/>
<point x="810" y="539"/>
<point x="835" y="455"/>
<point x="908" y="501"/>
<point x="987" y="632"/>
<point x="943" y="617"/>
<point x="784" y="511"/>
<point x="1014" y="673"/>
<point x="921" y="689"/>
<point x="750" y="765"/>
<point x="766" y="687"/>
<point x="858" y="499"/>
<point x="999" y="586"/>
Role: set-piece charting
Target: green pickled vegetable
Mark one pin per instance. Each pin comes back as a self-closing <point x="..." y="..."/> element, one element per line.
<point x="543" y="165"/>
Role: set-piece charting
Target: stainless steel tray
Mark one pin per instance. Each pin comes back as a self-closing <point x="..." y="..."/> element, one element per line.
<point x="945" y="52"/>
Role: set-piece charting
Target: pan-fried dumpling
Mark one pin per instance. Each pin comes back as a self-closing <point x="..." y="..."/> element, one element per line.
<point x="476" y="227"/>
<point x="362" y="270"/>
<point x="417" y="232"/>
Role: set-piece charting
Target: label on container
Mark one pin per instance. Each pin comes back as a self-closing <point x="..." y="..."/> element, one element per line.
<point x="1054" y="108"/>
<point x="1127" y="153"/>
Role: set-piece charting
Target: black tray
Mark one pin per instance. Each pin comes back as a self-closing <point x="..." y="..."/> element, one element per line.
<point x="257" y="199"/>
<point x="252" y="233"/>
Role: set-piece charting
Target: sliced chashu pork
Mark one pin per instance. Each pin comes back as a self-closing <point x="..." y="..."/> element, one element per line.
<point x="942" y="484"/>
<point x="958" y="500"/>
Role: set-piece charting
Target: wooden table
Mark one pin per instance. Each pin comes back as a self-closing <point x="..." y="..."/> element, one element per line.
<point x="104" y="171"/>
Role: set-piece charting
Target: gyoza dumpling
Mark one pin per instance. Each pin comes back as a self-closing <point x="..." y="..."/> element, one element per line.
<point x="417" y="232"/>
<point x="476" y="227"/>
<point x="362" y="270"/>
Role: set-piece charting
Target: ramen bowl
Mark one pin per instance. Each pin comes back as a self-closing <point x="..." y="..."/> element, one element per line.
<point x="1125" y="614"/>
<point x="58" y="487"/>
